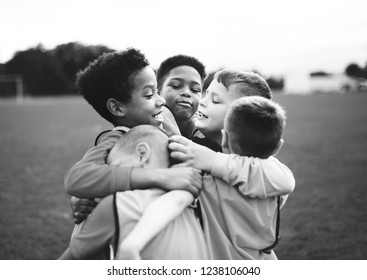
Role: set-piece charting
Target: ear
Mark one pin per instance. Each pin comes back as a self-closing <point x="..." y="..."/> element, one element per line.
<point x="115" y="107"/>
<point x="143" y="152"/>
<point x="225" y="141"/>
<point x="278" y="147"/>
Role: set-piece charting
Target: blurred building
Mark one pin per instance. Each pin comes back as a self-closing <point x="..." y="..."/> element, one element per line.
<point x="321" y="82"/>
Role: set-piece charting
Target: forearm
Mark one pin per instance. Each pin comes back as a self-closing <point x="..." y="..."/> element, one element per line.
<point x="67" y="255"/>
<point x="90" y="180"/>
<point x="253" y="176"/>
<point x="146" y="178"/>
<point x="157" y="216"/>
<point x="204" y="158"/>
<point x="97" y="231"/>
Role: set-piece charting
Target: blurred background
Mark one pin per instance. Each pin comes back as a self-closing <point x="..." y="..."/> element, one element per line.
<point x="312" y="53"/>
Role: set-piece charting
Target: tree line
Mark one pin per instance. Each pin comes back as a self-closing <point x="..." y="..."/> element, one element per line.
<point x="52" y="72"/>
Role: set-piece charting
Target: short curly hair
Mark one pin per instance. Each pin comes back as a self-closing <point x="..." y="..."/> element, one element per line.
<point x="111" y="75"/>
<point x="176" y="61"/>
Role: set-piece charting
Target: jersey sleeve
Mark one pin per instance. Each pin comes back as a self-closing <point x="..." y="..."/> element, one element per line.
<point x="92" y="177"/>
<point x="97" y="231"/>
<point x="254" y="177"/>
<point x="169" y="123"/>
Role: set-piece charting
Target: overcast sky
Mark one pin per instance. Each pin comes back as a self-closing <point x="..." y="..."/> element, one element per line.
<point x="271" y="36"/>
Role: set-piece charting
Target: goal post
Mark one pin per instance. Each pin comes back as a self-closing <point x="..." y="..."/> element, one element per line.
<point x="17" y="81"/>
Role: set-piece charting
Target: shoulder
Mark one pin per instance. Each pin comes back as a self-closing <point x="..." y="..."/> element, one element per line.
<point x="169" y="122"/>
<point x="108" y="135"/>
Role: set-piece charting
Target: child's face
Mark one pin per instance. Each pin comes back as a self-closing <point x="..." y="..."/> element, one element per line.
<point x="145" y="106"/>
<point x="213" y="109"/>
<point x="182" y="91"/>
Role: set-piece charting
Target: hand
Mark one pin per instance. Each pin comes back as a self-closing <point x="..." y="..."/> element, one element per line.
<point x="128" y="253"/>
<point x="182" y="178"/>
<point x="81" y="208"/>
<point x="190" y="153"/>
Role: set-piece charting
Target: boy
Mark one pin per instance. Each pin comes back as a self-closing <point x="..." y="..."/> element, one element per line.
<point x="122" y="88"/>
<point x="180" y="81"/>
<point x="232" y="228"/>
<point x="143" y="146"/>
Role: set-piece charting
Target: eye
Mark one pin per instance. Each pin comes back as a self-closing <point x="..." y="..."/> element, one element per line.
<point x="215" y="100"/>
<point x="196" y="90"/>
<point x="175" y="85"/>
<point x="149" y="93"/>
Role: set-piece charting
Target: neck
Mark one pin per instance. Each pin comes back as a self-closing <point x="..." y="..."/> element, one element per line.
<point x="218" y="139"/>
<point x="182" y="125"/>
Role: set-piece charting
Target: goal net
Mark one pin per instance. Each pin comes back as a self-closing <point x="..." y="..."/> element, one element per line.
<point x="11" y="86"/>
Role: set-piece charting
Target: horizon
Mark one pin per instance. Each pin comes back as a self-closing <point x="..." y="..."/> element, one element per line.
<point x="274" y="38"/>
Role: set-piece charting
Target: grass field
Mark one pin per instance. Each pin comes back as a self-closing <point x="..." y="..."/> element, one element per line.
<point x="325" y="146"/>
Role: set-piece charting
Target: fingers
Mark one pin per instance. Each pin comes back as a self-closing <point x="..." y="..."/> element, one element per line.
<point x="196" y="183"/>
<point x="183" y="164"/>
<point x="84" y="209"/>
<point x="181" y="157"/>
<point x="79" y="217"/>
<point x="179" y="139"/>
<point x="80" y="203"/>
<point x="179" y="147"/>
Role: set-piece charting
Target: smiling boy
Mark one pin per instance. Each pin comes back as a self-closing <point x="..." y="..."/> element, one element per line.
<point x="122" y="88"/>
<point x="241" y="188"/>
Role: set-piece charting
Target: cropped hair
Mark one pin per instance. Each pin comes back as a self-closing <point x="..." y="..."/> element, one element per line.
<point x="248" y="83"/>
<point x="111" y="75"/>
<point x="156" y="138"/>
<point x="176" y="61"/>
<point x="255" y="125"/>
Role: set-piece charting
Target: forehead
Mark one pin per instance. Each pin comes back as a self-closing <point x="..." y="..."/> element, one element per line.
<point x="184" y="72"/>
<point x="219" y="89"/>
<point x="144" y="77"/>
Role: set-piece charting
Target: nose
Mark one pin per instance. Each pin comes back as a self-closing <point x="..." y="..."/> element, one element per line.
<point x="160" y="101"/>
<point x="203" y="102"/>
<point x="186" y="92"/>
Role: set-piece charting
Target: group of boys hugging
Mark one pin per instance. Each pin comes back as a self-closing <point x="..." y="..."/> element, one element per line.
<point x="183" y="174"/>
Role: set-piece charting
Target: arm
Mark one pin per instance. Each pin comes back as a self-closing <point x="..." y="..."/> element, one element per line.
<point x="93" y="177"/>
<point x="67" y="255"/>
<point x="156" y="216"/>
<point x="253" y="177"/>
<point x="97" y="231"/>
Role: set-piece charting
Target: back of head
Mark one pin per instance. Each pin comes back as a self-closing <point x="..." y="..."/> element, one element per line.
<point x="247" y="83"/>
<point x="110" y="76"/>
<point x="128" y="142"/>
<point x="176" y="61"/>
<point x="255" y="126"/>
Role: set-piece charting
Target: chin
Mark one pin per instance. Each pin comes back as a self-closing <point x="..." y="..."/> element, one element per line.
<point x="200" y="124"/>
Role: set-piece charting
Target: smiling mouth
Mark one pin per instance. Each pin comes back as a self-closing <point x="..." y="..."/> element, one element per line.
<point x="158" y="117"/>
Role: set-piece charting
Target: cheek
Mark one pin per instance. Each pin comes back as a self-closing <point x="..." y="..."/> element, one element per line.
<point x="169" y="96"/>
<point x="217" y="116"/>
<point x="196" y="101"/>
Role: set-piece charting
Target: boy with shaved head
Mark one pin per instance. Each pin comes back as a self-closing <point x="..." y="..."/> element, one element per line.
<point x="116" y="215"/>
